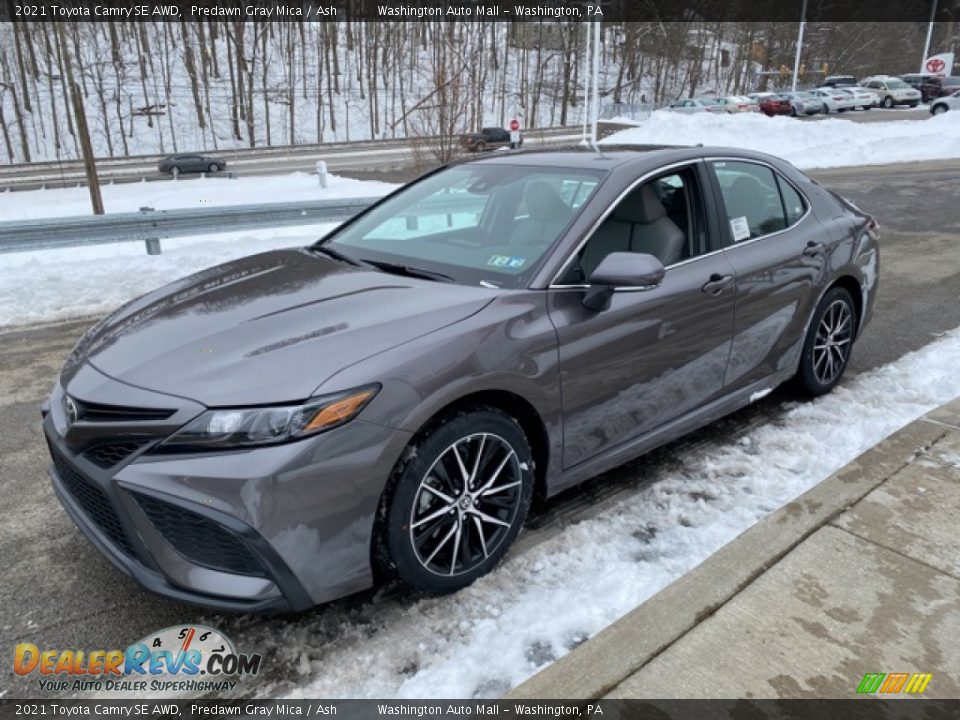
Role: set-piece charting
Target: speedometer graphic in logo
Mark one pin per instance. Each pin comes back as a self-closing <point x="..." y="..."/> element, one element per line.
<point x="181" y="650"/>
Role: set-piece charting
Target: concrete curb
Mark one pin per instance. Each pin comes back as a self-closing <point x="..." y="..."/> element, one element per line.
<point x="599" y="665"/>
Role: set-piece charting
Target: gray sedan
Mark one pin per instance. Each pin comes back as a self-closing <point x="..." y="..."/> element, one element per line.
<point x="279" y="431"/>
<point x="186" y="163"/>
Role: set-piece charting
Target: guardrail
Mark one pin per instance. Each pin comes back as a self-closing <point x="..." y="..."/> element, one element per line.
<point x="151" y="226"/>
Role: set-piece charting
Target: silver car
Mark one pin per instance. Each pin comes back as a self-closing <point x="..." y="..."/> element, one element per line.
<point x="892" y="91"/>
<point x="942" y="105"/>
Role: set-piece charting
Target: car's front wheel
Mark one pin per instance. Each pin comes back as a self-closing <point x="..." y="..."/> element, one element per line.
<point x="214" y="168"/>
<point x="888" y="103"/>
<point x="456" y="502"/>
<point x="939" y="109"/>
<point x="827" y="346"/>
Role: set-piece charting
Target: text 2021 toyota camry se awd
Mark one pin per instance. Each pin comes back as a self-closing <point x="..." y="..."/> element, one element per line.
<point x="275" y="432"/>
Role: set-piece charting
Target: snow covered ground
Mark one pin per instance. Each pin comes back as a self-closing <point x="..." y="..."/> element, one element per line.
<point x="539" y="605"/>
<point x="185" y="193"/>
<point x="832" y="142"/>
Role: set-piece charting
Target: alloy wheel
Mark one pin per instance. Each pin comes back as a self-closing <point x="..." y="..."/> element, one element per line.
<point x="466" y="504"/>
<point x="834" y="337"/>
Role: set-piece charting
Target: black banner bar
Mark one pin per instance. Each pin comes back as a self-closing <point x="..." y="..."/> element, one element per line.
<point x="854" y="709"/>
<point x="479" y="10"/>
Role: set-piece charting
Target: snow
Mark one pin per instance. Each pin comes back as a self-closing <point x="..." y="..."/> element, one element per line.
<point x="185" y="193"/>
<point x="47" y="285"/>
<point x="540" y="604"/>
<point x="831" y="142"/>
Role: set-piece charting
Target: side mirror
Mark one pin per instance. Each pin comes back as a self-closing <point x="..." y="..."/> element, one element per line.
<point x="626" y="270"/>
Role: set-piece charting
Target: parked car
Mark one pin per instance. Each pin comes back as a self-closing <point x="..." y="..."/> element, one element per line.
<point x="942" y="105"/>
<point x="803" y="104"/>
<point x="892" y="91"/>
<point x="863" y="98"/>
<point x="277" y="431"/>
<point x="697" y="105"/>
<point x="744" y="103"/>
<point x="777" y="104"/>
<point x="932" y="87"/>
<point x="839" y="80"/>
<point x="834" y="99"/>
<point x="186" y="163"/>
<point x="489" y="138"/>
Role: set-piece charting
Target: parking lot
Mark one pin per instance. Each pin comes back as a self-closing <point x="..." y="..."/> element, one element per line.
<point x="59" y="592"/>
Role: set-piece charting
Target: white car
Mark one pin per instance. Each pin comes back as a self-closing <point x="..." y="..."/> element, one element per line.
<point x="942" y="105"/>
<point x="697" y="105"/>
<point x="834" y="99"/>
<point x="864" y="98"/>
<point x="740" y="103"/>
<point x="892" y="91"/>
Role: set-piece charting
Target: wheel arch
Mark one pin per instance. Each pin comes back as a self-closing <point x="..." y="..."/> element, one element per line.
<point x="853" y="286"/>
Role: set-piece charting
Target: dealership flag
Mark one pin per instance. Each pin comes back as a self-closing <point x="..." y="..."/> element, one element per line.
<point x="941" y="64"/>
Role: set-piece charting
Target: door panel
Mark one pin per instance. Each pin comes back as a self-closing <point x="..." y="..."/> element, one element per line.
<point x="648" y="359"/>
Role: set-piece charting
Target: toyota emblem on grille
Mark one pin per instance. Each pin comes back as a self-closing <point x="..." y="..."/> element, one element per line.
<point x="70" y="408"/>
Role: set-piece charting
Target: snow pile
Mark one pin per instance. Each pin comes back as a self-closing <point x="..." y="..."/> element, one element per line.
<point x="831" y="142"/>
<point x="214" y="191"/>
<point x="47" y="285"/>
<point x="540" y="604"/>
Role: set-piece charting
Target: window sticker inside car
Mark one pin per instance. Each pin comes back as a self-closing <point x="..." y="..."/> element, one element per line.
<point x="507" y="261"/>
<point x="740" y="228"/>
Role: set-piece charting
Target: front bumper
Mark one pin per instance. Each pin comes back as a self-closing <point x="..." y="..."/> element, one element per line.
<point x="269" y="529"/>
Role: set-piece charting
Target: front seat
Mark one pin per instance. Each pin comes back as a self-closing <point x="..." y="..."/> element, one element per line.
<point x="547" y="216"/>
<point x="653" y="232"/>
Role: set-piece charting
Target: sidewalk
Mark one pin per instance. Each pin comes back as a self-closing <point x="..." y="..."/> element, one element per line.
<point x="859" y="575"/>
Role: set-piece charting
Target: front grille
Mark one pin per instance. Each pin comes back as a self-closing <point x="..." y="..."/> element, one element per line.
<point x="92" y="500"/>
<point x="199" y="539"/>
<point x="97" y="412"/>
<point x="110" y="454"/>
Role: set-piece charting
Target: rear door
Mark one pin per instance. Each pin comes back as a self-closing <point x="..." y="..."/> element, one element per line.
<point x="768" y="229"/>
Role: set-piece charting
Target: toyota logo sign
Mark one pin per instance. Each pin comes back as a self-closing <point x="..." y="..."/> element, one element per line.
<point x="935" y="65"/>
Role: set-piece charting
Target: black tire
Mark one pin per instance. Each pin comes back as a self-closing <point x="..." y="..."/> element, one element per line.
<point x="214" y="168"/>
<point x="793" y="112"/>
<point x="425" y="485"/>
<point x="914" y="104"/>
<point x="481" y="146"/>
<point x="822" y="346"/>
<point x="888" y="103"/>
<point x="938" y="109"/>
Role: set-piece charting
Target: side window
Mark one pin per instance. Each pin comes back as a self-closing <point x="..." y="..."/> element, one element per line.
<point x="662" y="217"/>
<point x="751" y="197"/>
<point x="792" y="201"/>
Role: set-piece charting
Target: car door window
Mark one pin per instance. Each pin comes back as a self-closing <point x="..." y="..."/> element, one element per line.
<point x="793" y="203"/>
<point x="661" y="217"/>
<point x="751" y="197"/>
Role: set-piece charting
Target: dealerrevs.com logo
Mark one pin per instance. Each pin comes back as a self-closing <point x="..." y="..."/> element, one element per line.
<point x="175" y="659"/>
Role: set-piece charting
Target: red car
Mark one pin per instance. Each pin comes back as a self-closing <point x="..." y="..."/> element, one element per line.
<point x="776" y="105"/>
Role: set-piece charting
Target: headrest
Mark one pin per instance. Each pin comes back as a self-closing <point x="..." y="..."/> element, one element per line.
<point x="641" y="206"/>
<point x="543" y="202"/>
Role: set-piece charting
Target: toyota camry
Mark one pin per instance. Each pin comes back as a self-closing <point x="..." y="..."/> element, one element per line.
<point x="294" y="426"/>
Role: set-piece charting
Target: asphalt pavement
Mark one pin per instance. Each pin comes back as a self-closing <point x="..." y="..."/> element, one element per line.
<point x="59" y="592"/>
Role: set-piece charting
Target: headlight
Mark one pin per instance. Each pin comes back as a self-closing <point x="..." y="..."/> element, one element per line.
<point x="244" y="427"/>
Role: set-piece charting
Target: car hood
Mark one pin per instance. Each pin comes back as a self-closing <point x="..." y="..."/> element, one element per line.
<point x="268" y="328"/>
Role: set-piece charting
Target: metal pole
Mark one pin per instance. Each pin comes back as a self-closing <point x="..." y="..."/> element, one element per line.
<point x="596" y="83"/>
<point x="586" y="82"/>
<point x="926" y="45"/>
<point x="796" y="59"/>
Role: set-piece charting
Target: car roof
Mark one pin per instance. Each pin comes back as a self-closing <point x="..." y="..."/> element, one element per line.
<point x="643" y="157"/>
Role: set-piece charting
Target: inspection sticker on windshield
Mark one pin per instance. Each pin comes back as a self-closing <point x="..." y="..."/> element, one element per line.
<point x="506" y="261"/>
<point x="740" y="228"/>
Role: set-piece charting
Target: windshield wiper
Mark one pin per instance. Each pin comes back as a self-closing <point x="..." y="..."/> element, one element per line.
<point x="335" y="254"/>
<point x="409" y="270"/>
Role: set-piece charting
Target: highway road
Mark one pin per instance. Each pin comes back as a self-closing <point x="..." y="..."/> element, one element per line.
<point x="59" y="592"/>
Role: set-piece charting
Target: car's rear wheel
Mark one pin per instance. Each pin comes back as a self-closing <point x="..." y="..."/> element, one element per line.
<point x="481" y="146"/>
<point x="456" y="502"/>
<point x="175" y="171"/>
<point x="827" y="346"/>
<point x="888" y="103"/>
<point x="214" y="167"/>
<point x="939" y="109"/>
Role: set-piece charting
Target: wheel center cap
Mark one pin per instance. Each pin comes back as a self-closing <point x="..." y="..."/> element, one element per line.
<point x="465" y="502"/>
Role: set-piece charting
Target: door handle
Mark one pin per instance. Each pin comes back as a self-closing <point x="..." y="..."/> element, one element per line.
<point x="814" y="249"/>
<point x="717" y="284"/>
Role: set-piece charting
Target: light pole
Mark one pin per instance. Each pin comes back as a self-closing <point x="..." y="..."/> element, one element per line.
<point x="596" y="79"/>
<point x="586" y="83"/>
<point x="926" y="45"/>
<point x="796" y="59"/>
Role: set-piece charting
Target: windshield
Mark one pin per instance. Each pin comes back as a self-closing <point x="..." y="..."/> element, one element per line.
<point x="896" y="84"/>
<point x="475" y="223"/>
